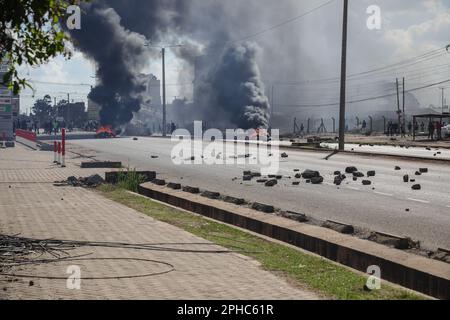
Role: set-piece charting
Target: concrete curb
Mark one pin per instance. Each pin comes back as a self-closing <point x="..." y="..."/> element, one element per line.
<point x="418" y="273"/>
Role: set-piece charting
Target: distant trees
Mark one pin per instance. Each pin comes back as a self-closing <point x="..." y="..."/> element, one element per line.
<point x="43" y="109"/>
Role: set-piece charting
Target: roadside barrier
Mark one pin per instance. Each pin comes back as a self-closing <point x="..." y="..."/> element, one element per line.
<point x="27" y="138"/>
<point x="59" y="150"/>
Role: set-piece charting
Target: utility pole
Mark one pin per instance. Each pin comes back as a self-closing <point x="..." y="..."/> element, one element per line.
<point x="272" y="95"/>
<point x="443" y="99"/>
<point x="164" y="131"/>
<point x="404" y="114"/>
<point x="163" y="53"/>
<point x="343" y="79"/>
<point x="398" y="105"/>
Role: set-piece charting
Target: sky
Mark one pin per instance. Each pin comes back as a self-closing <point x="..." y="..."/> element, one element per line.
<point x="306" y="49"/>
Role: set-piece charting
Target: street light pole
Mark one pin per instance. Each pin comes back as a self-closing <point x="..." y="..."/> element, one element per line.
<point x="343" y="79"/>
<point x="164" y="131"/>
<point x="163" y="53"/>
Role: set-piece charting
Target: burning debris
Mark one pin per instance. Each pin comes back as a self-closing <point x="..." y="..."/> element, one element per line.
<point x="105" y="132"/>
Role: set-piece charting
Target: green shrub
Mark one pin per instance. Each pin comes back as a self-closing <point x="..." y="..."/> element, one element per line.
<point x="130" y="180"/>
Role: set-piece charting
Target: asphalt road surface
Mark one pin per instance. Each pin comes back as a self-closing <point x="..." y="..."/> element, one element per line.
<point x="422" y="152"/>
<point x="388" y="205"/>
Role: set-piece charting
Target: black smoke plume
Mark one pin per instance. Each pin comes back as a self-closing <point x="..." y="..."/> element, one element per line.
<point x="114" y="34"/>
<point x="229" y="90"/>
<point x="119" y="55"/>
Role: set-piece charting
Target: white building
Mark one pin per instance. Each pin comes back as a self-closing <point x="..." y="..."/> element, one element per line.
<point x="152" y="98"/>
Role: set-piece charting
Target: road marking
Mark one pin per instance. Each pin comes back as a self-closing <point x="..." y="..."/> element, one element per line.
<point x="353" y="188"/>
<point x="383" y="194"/>
<point x="448" y="206"/>
<point x="418" y="200"/>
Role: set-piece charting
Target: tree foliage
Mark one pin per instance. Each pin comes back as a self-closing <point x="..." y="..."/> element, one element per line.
<point x="43" y="109"/>
<point x="30" y="33"/>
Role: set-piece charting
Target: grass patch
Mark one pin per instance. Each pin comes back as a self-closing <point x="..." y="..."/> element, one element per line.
<point x="130" y="180"/>
<point x="320" y="275"/>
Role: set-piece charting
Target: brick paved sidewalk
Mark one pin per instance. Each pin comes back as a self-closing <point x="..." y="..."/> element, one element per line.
<point x="30" y="205"/>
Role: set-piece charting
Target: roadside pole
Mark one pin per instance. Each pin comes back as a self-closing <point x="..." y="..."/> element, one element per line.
<point x="63" y="151"/>
<point x="55" y="151"/>
<point x="343" y="79"/>
<point x="59" y="152"/>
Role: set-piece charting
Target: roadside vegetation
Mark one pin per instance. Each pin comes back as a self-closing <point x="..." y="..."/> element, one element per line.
<point x="130" y="180"/>
<point x="330" y="280"/>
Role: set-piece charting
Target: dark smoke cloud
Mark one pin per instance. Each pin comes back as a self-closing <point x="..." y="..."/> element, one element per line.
<point x="114" y="34"/>
<point x="119" y="55"/>
<point x="152" y="18"/>
<point x="233" y="85"/>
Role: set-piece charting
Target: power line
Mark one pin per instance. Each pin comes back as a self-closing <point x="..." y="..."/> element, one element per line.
<point x="62" y="83"/>
<point x="430" y="55"/>
<point x="362" y="100"/>
<point x="279" y="25"/>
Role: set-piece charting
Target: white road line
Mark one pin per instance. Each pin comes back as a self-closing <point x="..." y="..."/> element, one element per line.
<point x="418" y="200"/>
<point x="448" y="206"/>
<point x="353" y="188"/>
<point x="383" y="194"/>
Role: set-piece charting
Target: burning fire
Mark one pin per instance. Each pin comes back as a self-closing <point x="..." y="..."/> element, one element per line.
<point x="106" y="131"/>
<point x="260" y="133"/>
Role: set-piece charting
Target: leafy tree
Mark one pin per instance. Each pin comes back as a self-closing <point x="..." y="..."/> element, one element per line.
<point x="30" y="33"/>
<point x="43" y="109"/>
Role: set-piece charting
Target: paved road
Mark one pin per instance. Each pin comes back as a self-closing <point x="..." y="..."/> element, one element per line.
<point x="382" y="206"/>
<point x="431" y="153"/>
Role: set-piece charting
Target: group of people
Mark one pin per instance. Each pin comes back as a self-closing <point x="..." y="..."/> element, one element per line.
<point x="435" y="130"/>
<point x="393" y="129"/>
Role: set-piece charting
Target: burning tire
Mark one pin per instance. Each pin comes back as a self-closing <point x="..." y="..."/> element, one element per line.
<point x="105" y="133"/>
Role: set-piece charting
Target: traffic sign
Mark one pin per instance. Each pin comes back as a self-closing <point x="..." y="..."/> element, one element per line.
<point x="6" y="108"/>
<point x="5" y="101"/>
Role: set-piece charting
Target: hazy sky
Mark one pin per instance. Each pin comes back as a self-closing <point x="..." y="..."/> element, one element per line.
<point x="305" y="49"/>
